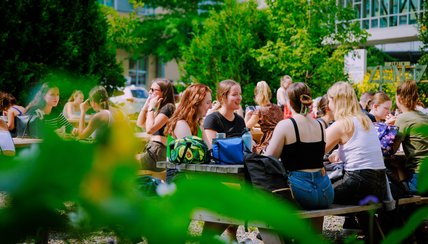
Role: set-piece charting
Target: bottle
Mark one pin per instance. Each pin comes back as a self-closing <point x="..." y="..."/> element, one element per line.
<point x="247" y="139"/>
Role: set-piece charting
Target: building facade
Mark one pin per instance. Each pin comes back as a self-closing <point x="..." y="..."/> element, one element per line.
<point x="141" y="70"/>
<point x="392" y="25"/>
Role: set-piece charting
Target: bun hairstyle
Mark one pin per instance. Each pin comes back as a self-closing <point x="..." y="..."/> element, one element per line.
<point x="99" y="95"/>
<point x="408" y="94"/>
<point x="322" y="106"/>
<point x="299" y="95"/>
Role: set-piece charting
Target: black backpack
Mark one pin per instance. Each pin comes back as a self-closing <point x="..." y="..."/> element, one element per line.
<point x="266" y="173"/>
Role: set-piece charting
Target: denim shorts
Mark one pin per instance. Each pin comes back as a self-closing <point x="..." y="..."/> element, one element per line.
<point x="311" y="190"/>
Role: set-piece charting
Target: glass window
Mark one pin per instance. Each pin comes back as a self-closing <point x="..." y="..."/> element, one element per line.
<point x="375" y="8"/>
<point x="139" y="93"/>
<point x="402" y="20"/>
<point x="366" y="8"/>
<point x="383" y="22"/>
<point x="366" y="24"/>
<point x="393" y="20"/>
<point x="384" y="5"/>
<point x="412" y="18"/>
<point x="393" y="7"/>
<point x="375" y="23"/>
<point x="357" y="8"/>
<point x="403" y="6"/>
<point x="109" y="3"/>
<point x="138" y="71"/>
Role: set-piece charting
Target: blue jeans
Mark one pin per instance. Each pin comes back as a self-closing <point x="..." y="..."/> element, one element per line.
<point x="311" y="190"/>
<point x="412" y="183"/>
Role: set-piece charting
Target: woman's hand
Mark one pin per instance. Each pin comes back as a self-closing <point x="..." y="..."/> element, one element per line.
<point x="334" y="157"/>
<point x="154" y="102"/>
<point x="390" y="119"/>
<point x="85" y="106"/>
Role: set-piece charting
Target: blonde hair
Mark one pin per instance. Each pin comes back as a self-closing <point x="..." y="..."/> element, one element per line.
<point x="262" y="93"/>
<point x="285" y="78"/>
<point x="74" y="95"/>
<point x="346" y="105"/>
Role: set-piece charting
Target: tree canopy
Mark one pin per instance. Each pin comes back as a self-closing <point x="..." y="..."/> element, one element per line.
<point x="40" y="36"/>
<point x="307" y="40"/>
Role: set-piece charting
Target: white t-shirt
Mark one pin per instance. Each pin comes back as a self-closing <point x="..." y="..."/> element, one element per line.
<point x="363" y="150"/>
<point x="6" y="142"/>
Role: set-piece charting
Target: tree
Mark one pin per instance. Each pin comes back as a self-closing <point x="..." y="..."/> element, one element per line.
<point x="223" y="48"/>
<point x="423" y="37"/>
<point x="44" y="35"/>
<point x="305" y="39"/>
<point x="308" y="40"/>
<point x="165" y="34"/>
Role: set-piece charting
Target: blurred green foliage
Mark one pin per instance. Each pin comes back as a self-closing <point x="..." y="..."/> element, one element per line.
<point x="100" y="181"/>
<point x="305" y="39"/>
<point x="40" y="36"/>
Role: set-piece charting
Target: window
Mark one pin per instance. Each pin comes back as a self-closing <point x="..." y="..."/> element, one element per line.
<point x="109" y="3"/>
<point x="138" y="71"/>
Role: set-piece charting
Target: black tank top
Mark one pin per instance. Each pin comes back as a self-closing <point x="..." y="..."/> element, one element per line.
<point x="303" y="155"/>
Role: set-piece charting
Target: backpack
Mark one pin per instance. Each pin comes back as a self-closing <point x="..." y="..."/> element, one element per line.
<point x="188" y="150"/>
<point x="266" y="173"/>
<point x="387" y="135"/>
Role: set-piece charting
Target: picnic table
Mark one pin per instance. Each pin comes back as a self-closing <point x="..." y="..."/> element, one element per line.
<point x="25" y="142"/>
<point x="266" y="232"/>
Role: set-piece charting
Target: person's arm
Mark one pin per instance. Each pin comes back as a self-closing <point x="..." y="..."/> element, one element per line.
<point x="251" y="119"/>
<point x="278" y="139"/>
<point x="10" y="119"/>
<point x="333" y="135"/>
<point x="182" y="129"/>
<point x="280" y="96"/>
<point x="86" y="131"/>
<point x="210" y="135"/>
<point x="68" y="110"/>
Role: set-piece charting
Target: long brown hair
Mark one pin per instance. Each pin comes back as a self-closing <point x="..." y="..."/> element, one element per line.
<point x="167" y="90"/>
<point x="188" y="108"/>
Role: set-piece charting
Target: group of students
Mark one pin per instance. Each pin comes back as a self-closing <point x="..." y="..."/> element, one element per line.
<point x="44" y="106"/>
<point x="291" y="132"/>
<point x="300" y="141"/>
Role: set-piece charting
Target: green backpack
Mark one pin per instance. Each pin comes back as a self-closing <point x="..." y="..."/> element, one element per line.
<point x="188" y="150"/>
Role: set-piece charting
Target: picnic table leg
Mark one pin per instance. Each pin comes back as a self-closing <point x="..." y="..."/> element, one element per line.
<point x="271" y="237"/>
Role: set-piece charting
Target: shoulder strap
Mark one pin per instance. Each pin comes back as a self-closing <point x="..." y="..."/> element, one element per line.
<point x="296" y="130"/>
<point x="322" y="131"/>
<point x="20" y="112"/>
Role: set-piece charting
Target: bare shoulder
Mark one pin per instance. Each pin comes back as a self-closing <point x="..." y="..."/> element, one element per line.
<point x="182" y="124"/>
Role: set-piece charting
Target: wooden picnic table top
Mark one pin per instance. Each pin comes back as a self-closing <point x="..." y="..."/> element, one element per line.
<point x="25" y="142"/>
<point x="212" y="168"/>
